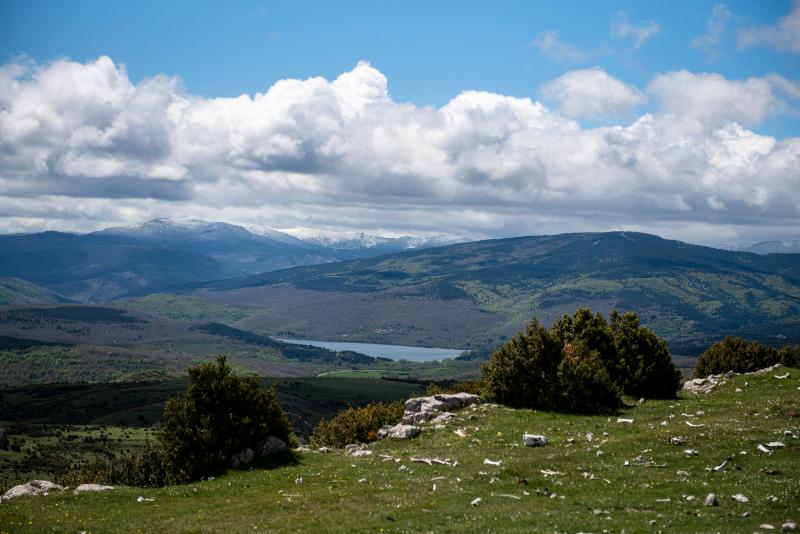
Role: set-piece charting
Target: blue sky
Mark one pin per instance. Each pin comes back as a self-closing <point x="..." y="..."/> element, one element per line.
<point x="430" y="51"/>
<point x="681" y="118"/>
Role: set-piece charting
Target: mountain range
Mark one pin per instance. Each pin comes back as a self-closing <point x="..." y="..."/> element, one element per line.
<point x="148" y="257"/>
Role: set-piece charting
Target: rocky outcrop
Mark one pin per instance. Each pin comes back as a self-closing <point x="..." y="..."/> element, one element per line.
<point x="434" y="408"/>
<point x="700" y="386"/>
<point x="34" y="487"/>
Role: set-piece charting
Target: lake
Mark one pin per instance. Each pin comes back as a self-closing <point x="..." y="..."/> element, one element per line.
<point x="393" y="352"/>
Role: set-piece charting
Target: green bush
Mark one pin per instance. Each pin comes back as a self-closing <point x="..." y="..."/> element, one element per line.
<point x="149" y="467"/>
<point x="789" y="356"/>
<point x="648" y="367"/>
<point x="584" y="383"/>
<point x="356" y="425"/>
<point x="219" y="415"/>
<point x="523" y="372"/>
<point x="604" y="361"/>
<point x="737" y="355"/>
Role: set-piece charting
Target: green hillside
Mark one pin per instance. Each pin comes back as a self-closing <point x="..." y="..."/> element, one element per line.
<point x="476" y="293"/>
<point x="596" y="474"/>
<point x="18" y="291"/>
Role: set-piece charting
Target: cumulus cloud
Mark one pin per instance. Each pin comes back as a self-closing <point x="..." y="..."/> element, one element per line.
<point x="622" y="29"/>
<point x="783" y="35"/>
<point x="81" y="146"/>
<point x="716" y="23"/>
<point x="592" y="93"/>
<point x="552" y="47"/>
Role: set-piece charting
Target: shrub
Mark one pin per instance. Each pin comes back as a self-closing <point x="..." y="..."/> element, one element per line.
<point x="219" y="415"/>
<point x="149" y="467"/>
<point x="591" y="331"/>
<point x="523" y="372"/>
<point x="789" y="356"/>
<point x="737" y="355"/>
<point x="584" y="383"/>
<point x="356" y="425"/>
<point x="648" y="367"/>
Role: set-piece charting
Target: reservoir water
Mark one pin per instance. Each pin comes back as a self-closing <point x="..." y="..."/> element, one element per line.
<point x="393" y="352"/>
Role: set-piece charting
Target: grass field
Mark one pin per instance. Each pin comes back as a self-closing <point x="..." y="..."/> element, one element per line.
<point x="354" y="373"/>
<point x="578" y="482"/>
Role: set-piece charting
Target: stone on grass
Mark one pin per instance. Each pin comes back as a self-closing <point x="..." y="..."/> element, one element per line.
<point x="739" y="498"/>
<point x="534" y="440"/>
<point x="399" y="431"/>
<point x="421" y="409"/>
<point x="243" y="457"/>
<point x="34" y="487"/>
<point x="789" y="525"/>
<point x="360" y="452"/>
<point x="711" y="500"/>
<point x="271" y="445"/>
<point x="92" y="487"/>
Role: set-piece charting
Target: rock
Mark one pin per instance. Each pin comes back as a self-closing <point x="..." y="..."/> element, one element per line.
<point x="360" y="452"/>
<point x="700" y="386"/>
<point x="711" y="500"/>
<point x="3" y="440"/>
<point x="425" y="408"/>
<point x="324" y="449"/>
<point x="400" y="431"/>
<point x="534" y="440"/>
<point x="789" y="525"/>
<point x="243" y="457"/>
<point x="271" y="445"/>
<point x="34" y="487"/>
<point x="442" y="418"/>
<point x="776" y="445"/>
<point x="92" y="487"/>
<point x="624" y="420"/>
<point x="740" y="498"/>
<point x="476" y="501"/>
<point x="763" y="449"/>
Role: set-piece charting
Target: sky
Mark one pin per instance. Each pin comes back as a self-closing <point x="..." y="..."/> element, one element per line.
<point x="485" y="119"/>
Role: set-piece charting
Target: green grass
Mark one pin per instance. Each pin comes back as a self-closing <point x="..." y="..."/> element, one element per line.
<point x="592" y="492"/>
<point x="184" y="308"/>
<point x="366" y="373"/>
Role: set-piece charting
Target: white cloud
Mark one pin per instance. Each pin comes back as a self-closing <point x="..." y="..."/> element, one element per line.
<point x="551" y="46"/>
<point x="783" y="35"/>
<point x="592" y="93"/>
<point x="81" y="146"/>
<point x="622" y="29"/>
<point x="716" y="23"/>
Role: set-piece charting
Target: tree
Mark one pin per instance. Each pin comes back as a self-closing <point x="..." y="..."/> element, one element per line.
<point x="735" y="354"/>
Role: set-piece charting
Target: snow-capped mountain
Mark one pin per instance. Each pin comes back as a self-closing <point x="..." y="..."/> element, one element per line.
<point x="766" y="247"/>
<point x="354" y="240"/>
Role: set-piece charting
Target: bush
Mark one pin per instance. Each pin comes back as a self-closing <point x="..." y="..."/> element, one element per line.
<point x="584" y="383"/>
<point x="737" y="355"/>
<point x="356" y="425"/>
<point x="523" y="372"/>
<point x="219" y="415"/>
<point x="648" y="367"/>
<point x="789" y="356"/>
<point x="533" y="370"/>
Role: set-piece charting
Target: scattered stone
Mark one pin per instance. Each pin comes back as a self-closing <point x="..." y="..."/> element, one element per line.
<point x="324" y="449"/>
<point x="682" y="473"/>
<point x="770" y="471"/>
<point x="690" y="452"/>
<point x="92" y="487"/>
<point x="766" y="526"/>
<point x="789" y="525"/>
<point x="360" y="452"/>
<point x="739" y="498"/>
<point x="550" y="472"/>
<point x="694" y="425"/>
<point x="782" y="377"/>
<point x="711" y="500"/>
<point x="487" y="461"/>
<point x="271" y="445"/>
<point x="461" y="432"/>
<point x="701" y="386"/>
<point x="298" y="481"/>
<point x="534" y="440"/>
<point x="144" y="499"/>
<point x="34" y="487"/>
<point x="421" y="409"/>
<point x="624" y="420"/>
<point x="677" y="440"/>
<point x="507" y="496"/>
<point x="763" y="449"/>
<point x="3" y="440"/>
<point x="476" y="501"/>
<point x="787" y="433"/>
<point x="720" y="466"/>
<point x="243" y="457"/>
<point x="776" y="445"/>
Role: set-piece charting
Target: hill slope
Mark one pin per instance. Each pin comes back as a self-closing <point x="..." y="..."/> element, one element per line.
<point x="478" y="292"/>
<point x="595" y="474"/>
<point x="18" y="291"/>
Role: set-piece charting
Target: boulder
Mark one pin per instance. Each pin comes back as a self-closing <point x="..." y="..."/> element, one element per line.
<point x="271" y="445"/>
<point x="399" y="431"/>
<point x="534" y="440"/>
<point x="92" y="487"/>
<point x="711" y="500"/>
<point x="700" y="386"/>
<point x="243" y="457"/>
<point x="421" y="409"/>
<point x="34" y="487"/>
<point x="3" y="440"/>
